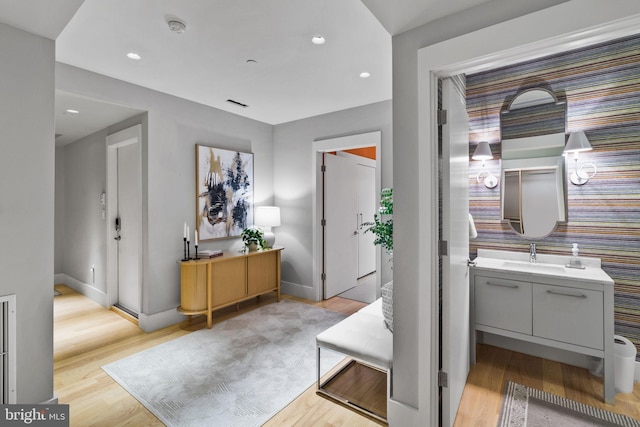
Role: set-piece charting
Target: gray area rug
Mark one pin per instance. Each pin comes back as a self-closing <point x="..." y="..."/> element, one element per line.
<point x="240" y="372"/>
<point x="525" y="406"/>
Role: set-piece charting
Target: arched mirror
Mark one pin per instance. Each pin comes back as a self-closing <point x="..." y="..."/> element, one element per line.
<point x="533" y="175"/>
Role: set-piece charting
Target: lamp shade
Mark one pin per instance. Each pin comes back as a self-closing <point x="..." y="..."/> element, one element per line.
<point x="483" y="151"/>
<point x="267" y="216"/>
<point x="577" y="142"/>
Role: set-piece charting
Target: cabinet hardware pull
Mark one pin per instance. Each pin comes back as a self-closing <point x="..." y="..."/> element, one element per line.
<point x="503" y="286"/>
<point x="566" y="295"/>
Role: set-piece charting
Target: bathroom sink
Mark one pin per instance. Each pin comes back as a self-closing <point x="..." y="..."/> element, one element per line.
<point x="534" y="266"/>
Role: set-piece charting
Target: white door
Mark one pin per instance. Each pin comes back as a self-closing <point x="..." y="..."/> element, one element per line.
<point x="455" y="226"/>
<point x="341" y="224"/>
<point x="129" y="220"/>
<point x="366" y="208"/>
<point x="124" y="219"/>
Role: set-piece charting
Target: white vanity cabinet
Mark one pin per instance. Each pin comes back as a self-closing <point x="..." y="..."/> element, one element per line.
<point x="548" y="305"/>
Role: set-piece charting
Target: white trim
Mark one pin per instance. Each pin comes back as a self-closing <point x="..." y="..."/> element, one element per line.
<point x="636" y="376"/>
<point x="301" y="291"/>
<point x="368" y="139"/>
<point x="132" y="135"/>
<point x="59" y="278"/>
<point x="84" y="288"/>
<point x="153" y="322"/>
<point x="473" y="52"/>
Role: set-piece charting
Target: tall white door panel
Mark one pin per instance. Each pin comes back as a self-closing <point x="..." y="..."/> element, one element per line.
<point x="341" y="224"/>
<point x="366" y="210"/>
<point x="455" y="226"/>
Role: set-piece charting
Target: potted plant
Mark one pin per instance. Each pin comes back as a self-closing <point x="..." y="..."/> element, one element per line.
<point x="253" y="239"/>
<point x="382" y="225"/>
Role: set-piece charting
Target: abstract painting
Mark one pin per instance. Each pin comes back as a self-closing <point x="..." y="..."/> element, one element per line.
<point x="224" y="192"/>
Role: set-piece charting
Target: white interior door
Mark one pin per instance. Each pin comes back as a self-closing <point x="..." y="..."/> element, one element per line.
<point x="455" y="226"/>
<point x="366" y="208"/>
<point x="129" y="221"/>
<point x="341" y="224"/>
<point x="124" y="208"/>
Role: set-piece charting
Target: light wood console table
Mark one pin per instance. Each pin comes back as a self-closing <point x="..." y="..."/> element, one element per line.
<point x="212" y="283"/>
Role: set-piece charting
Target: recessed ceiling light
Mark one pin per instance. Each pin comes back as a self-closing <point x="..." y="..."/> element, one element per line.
<point x="364" y="75"/>
<point x="133" y="55"/>
<point x="318" y="40"/>
<point x="70" y="111"/>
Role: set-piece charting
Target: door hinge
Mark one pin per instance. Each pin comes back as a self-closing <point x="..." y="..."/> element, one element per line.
<point x="442" y="117"/>
<point x="323" y="168"/>
<point x="323" y="277"/>
<point x="443" y="379"/>
<point x="443" y="248"/>
<point x="323" y="222"/>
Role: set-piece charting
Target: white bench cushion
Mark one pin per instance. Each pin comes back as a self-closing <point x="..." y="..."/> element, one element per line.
<point x="375" y="308"/>
<point x="363" y="336"/>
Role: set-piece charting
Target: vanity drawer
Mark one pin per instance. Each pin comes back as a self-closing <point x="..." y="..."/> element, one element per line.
<point x="568" y="315"/>
<point x="504" y="304"/>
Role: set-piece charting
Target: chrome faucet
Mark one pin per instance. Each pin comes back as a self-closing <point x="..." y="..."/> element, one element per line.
<point x="532" y="253"/>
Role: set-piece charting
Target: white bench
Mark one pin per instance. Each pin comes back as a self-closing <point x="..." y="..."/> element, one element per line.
<point x="364" y="337"/>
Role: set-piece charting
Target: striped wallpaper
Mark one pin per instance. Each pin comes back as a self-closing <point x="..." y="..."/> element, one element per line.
<point x="601" y="85"/>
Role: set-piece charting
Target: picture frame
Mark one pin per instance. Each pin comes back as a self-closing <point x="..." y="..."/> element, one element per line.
<point x="224" y="192"/>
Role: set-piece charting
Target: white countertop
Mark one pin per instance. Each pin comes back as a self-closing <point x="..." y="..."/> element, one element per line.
<point x="546" y="265"/>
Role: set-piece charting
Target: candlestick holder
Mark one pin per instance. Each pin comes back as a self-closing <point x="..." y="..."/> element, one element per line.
<point x="184" y="245"/>
<point x="196" y="256"/>
<point x="188" y="247"/>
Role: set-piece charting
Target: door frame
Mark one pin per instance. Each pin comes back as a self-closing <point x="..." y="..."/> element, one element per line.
<point x="470" y="53"/>
<point x="361" y="140"/>
<point x="132" y="135"/>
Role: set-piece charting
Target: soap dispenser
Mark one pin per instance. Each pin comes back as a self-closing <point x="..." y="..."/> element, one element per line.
<point x="575" y="259"/>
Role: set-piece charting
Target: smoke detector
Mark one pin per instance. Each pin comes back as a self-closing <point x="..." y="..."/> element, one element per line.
<point x="176" y="25"/>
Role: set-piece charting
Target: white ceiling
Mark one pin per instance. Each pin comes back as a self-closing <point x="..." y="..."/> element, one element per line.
<point x="292" y="79"/>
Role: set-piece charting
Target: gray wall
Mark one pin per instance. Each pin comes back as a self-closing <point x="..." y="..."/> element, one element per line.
<point x="173" y="128"/>
<point x="294" y="170"/>
<point x="406" y="378"/>
<point x="58" y="259"/>
<point x="27" y="202"/>
<point x="81" y="234"/>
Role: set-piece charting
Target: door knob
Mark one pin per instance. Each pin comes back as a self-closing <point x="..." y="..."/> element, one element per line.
<point x="117" y="238"/>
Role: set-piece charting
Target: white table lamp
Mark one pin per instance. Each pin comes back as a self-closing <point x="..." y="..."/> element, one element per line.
<point x="265" y="218"/>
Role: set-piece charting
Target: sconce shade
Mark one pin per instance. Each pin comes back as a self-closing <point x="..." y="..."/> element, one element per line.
<point x="267" y="216"/>
<point x="483" y="151"/>
<point x="577" y="142"/>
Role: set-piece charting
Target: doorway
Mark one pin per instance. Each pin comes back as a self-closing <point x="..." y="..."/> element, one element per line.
<point x="371" y="139"/>
<point x="124" y="220"/>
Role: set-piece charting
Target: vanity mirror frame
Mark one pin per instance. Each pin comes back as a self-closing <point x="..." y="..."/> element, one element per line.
<point x="533" y="131"/>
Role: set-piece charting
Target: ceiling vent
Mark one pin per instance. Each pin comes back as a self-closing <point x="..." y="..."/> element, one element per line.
<point x="240" y="104"/>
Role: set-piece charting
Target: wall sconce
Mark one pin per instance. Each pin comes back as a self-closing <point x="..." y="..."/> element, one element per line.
<point x="578" y="142"/>
<point x="265" y="218"/>
<point x="483" y="152"/>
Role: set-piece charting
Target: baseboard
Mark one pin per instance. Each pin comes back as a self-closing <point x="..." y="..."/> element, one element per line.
<point x="52" y="401"/>
<point x="298" y="290"/>
<point x="636" y="377"/>
<point x="153" y="322"/>
<point x="83" y="288"/>
<point x="58" y="278"/>
<point x="400" y="414"/>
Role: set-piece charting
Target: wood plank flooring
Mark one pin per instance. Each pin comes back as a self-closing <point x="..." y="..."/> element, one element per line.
<point x="87" y="336"/>
<point x="482" y="396"/>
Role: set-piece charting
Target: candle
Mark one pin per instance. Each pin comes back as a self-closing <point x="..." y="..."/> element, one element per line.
<point x="196" y="237"/>
<point x="185" y="229"/>
<point x="187" y="233"/>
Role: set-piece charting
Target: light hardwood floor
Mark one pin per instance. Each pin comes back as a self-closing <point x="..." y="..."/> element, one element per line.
<point x="87" y="336"/>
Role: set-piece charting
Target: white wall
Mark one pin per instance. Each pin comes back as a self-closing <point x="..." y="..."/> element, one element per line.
<point x="294" y="173"/>
<point x="174" y="127"/>
<point x="27" y="202"/>
<point x="59" y="212"/>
